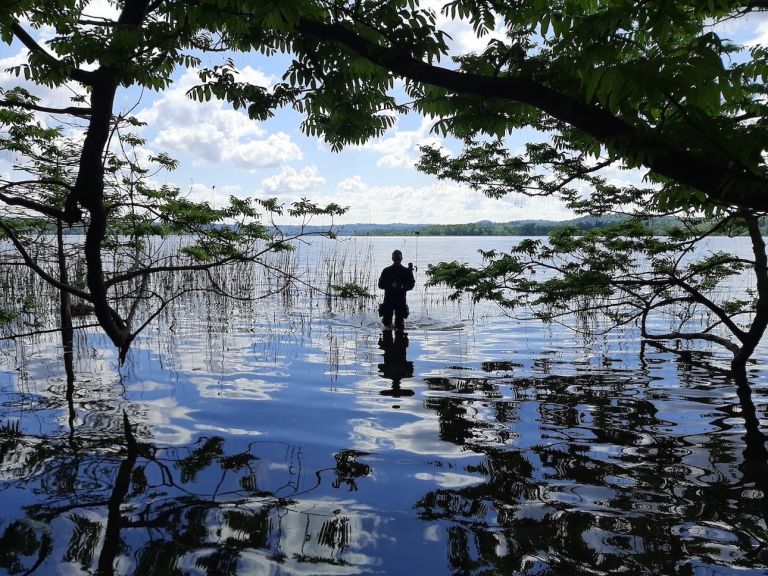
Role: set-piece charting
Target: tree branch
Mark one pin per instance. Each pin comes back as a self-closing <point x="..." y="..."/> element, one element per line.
<point x="722" y="184"/>
<point x="50" y="331"/>
<point x="32" y="204"/>
<point x="82" y="76"/>
<point x="157" y="269"/>
<point x="71" y="110"/>
<point x="724" y="342"/>
<point x="30" y="262"/>
<point x="714" y="308"/>
<point x="694" y="336"/>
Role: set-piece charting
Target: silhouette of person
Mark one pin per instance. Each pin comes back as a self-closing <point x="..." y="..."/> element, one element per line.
<point x="395" y="280"/>
<point x="396" y="365"/>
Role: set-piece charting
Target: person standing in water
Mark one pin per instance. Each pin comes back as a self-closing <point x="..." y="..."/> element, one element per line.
<point x="395" y="280"/>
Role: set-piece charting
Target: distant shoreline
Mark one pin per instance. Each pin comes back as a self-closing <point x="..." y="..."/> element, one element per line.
<point x="526" y="228"/>
<point x="521" y="228"/>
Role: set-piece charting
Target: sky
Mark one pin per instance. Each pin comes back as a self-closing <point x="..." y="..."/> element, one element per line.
<point x="221" y="152"/>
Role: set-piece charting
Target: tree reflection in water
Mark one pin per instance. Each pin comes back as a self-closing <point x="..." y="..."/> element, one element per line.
<point x="600" y="472"/>
<point x="129" y="507"/>
<point x="604" y="490"/>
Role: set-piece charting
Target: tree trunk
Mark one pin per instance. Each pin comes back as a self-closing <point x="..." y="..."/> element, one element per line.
<point x="90" y="192"/>
<point x="760" y="321"/>
<point x="89" y="187"/>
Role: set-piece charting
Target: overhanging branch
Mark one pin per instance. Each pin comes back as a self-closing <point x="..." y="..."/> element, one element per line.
<point x="30" y="262"/>
<point x="700" y="298"/>
<point x="82" y="76"/>
<point x="722" y="184"/>
<point x="39" y="207"/>
<point x="71" y="110"/>
<point x="678" y="335"/>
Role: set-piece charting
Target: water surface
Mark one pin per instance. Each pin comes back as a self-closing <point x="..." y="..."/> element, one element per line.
<point x="293" y="436"/>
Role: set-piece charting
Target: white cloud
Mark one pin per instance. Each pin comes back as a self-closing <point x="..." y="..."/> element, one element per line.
<point x="216" y="196"/>
<point x="618" y="176"/>
<point x="750" y="30"/>
<point x="441" y="203"/>
<point x="101" y="9"/>
<point x="400" y="148"/>
<point x="212" y="132"/>
<point x="294" y="182"/>
<point x="351" y="185"/>
<point x="275" y="149"/>
<point x="463" y="38"/>
<point x="51" y="97"/>
<point x="255" y="77"/>
<point x="761" y="37"/>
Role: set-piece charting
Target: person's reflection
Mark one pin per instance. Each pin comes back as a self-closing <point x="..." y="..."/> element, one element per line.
<point x="396" y="365"/>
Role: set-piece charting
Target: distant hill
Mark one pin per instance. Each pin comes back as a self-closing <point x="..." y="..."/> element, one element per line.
<point x="531" y="227"/>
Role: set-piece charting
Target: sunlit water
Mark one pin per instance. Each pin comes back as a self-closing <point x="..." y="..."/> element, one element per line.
<point x="293" y="436"/>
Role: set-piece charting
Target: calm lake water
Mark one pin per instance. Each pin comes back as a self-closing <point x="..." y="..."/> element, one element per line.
<point x="292" y="436"/>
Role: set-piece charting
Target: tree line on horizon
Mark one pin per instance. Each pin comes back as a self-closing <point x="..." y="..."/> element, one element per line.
<point x="659" y="227"/>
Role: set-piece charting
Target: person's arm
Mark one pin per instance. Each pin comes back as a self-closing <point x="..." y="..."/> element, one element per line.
<point x="383" y="282"/>
<point x="408" y="280"/>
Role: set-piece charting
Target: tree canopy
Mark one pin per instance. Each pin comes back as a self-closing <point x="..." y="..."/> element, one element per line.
<point x="648" y="84"/>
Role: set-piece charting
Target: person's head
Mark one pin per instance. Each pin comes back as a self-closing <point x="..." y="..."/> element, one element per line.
<point x="397" y="256"/>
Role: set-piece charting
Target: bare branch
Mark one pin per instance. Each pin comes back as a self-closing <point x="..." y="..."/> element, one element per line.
<point x="44" y="209"/>
<point x="724" y="342"/>
<point x="678" y="335"/>
<point x="30" y="262"/>
<point x="71" y="110"/>
<point x="51" y="331"/>
<point x="716" y="310"/>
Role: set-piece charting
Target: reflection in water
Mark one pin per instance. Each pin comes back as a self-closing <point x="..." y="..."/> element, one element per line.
<point x="260" y="441"/>
<point x="130" y="507"/>
<point x="396" y="366"/>
<point x="348" y="469"/>
<point x="601" y="485"/>
<point x="489" y="467"/>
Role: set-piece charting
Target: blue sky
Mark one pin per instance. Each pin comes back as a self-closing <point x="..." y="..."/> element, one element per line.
<point x="222" y="152"/>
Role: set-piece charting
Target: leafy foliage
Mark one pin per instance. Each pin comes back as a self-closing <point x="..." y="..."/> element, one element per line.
<point x="351" y="290"/>
<point x="616" y="275"/>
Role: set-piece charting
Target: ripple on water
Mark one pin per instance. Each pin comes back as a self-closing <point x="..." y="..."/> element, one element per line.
<point x="288" y="439"/>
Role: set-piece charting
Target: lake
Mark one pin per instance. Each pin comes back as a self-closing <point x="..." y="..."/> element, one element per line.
<point x="290" y="435"/>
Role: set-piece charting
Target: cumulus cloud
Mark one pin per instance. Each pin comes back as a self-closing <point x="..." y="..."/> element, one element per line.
<point x="275" y="149"/>
<point x="750" y="29"/>
<point x="216" y="196"/>
<point x="440" y="203"/>
<point x="52" y="97"/>
<point x="212" y="132"/>
<point x="293" y="182"/>
<point x="101" y="9"/>
<point x="760" y="35"/>
<point x="463" y="38"/>
<point x="351" y="185"/>
<point x="400" y="148"/>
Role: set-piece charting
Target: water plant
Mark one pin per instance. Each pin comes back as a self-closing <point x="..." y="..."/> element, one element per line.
<point x="351" y="290"/>
<point x="117" y="281"/>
